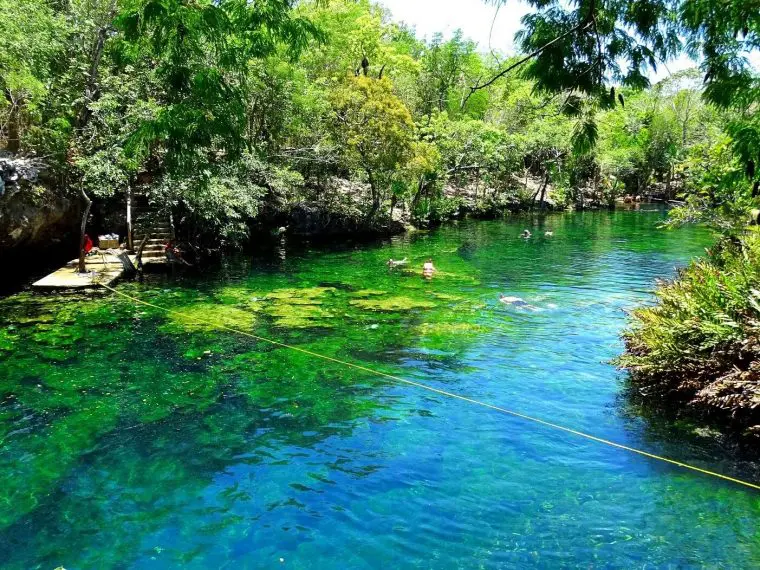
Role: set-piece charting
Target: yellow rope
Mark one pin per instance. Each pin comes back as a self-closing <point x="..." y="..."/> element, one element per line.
<point x="448" y="394"/>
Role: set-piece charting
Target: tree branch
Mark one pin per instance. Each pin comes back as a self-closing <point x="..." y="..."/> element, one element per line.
<point x="585" y="23"/>
<point x="462" y="168"/>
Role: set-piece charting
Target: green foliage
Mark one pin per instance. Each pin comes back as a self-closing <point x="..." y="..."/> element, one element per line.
<point x="175" y="99"/>
<point x="584" y="135"/>
<point x="700" y="339"/>
<point x="30" y="40"/>
<point x="219" y="201"/>
<point x="448" y="69"/>
<point x="201" y="51"/>
<point x="596" y="43"/>
<point x="724" y="33"/>
<point x="374" y="129"/>
<point x="716" y="189"/>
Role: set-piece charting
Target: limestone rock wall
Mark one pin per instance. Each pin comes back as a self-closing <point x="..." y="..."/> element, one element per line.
<point x="33" y="218"/>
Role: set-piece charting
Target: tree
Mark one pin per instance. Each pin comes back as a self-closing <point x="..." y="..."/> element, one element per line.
<point x="447" y="68"/>
<point x="31" y="33"/>
<point x="202" y="50"/>
<point x="375" y="131"/>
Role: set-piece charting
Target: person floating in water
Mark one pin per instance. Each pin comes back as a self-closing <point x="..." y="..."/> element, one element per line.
<point x="516" y="302"/>
<point x="526" y="234"/>
<point x="428" y="269"/>
<point x="548" y="233"/>
<point x="396" y="262"/>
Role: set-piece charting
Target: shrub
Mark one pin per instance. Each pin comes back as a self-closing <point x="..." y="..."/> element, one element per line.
<point x="700" y="343"/>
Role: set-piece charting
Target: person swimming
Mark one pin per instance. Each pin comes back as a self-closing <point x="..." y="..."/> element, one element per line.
<point x="428" y="269"/>
<point x="396" y="262"/>
<point x="548" y="233"/>
<point x="516" y="302"/>
<point x="526" y="234"/>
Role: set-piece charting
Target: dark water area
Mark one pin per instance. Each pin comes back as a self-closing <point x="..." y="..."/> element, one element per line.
<point x="25" y="266"/>
<point x="135" y="438"/>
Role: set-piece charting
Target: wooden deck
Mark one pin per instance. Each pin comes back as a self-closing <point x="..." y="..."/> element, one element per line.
<point x="101" y="269"/>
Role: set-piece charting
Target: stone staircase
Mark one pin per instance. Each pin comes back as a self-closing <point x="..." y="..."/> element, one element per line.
<point x="154" y="222"/>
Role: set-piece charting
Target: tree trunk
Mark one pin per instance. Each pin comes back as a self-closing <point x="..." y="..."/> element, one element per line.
<point x="14" y="123"/>
<point x="668" y="183"/>
<point x="375" y="196"/>
<point x="91" y="87"/>
<point x="543" y="191"/>
<point x="129" y="218"/>
<point x="418" y="195"/>
<point x="597" y="197"/>
<point x="85" y="214"/>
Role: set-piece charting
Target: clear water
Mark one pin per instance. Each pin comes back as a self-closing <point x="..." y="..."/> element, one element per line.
<point x="135" y="439"/>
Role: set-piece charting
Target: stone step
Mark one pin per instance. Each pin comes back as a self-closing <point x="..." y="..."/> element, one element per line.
<point x="152" y="254"/>
<point x="144" y="221"/>
<point x="149" y="220"/>
<point x="160" y="242"/>
<point x="161" y="237"/>
<point x="148" y="225"/>
<point x="156" y="229"/>
<point x="153" y="247"/>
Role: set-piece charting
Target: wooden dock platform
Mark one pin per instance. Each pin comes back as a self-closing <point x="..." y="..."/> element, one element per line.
<point x="101" y="269"/>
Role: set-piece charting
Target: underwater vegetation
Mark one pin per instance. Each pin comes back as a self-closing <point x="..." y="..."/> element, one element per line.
<point x="133" y="436"/>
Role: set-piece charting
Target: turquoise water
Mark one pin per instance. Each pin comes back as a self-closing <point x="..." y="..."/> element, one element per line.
<point x="136" y="439"/>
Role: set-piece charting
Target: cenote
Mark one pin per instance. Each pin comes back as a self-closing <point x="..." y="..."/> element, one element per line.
<point x="133" y="438"/>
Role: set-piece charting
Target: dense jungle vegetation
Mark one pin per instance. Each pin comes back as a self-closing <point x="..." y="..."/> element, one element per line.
<point x="231" y="111"/>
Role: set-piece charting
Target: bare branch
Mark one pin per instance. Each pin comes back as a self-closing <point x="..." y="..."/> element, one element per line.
<point x="585" y="23"/>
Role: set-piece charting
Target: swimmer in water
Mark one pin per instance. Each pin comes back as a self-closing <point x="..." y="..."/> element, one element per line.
<point x="548" y="233"/>
<point x="396" y="262"/>
<point x="428" y="269"/>
<point x="526" y="234"/>
<point x="516" y="302"/>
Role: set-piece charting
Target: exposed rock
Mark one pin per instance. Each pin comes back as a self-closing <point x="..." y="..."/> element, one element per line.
<point x="16" y="172"/>
<point x="32" y="217"/>
<point x="317" y="218"/>
<point x="334" y="209"/>
<point x="482" y="200"/>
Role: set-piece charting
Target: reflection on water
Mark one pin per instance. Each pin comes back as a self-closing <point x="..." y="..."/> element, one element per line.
<point x="136" y="439"/>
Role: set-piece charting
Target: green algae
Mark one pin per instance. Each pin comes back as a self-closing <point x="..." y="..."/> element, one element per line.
<point x="208" y="317"/>
<point x="240" y="297"/>
<point x="299" y="315"/>
<point x="445" y="329"/>
<point x="296" y="295"/>
<point x="393" y="304"/>
<point x="7" y="338"/>
<point x="89" y="366"/>
<point x="363" y="293"/>
<point x="446" y="296"/>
